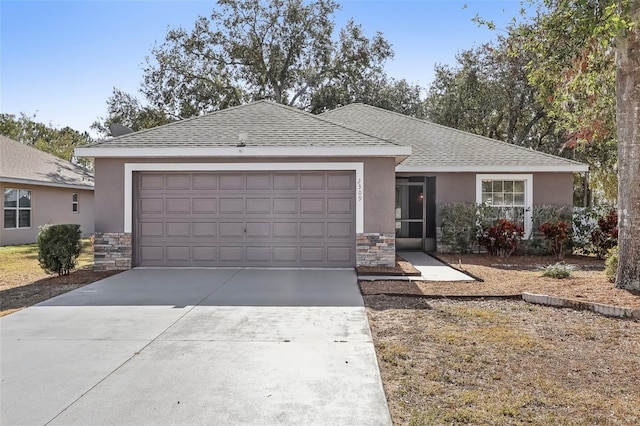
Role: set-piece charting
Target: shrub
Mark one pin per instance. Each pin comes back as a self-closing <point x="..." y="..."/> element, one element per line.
<point x="560" y="270"/>
<point x="611" y="264"/>
<point x="458" y="227"/>
<point x="502" y="238"/>
<point x="584" y="223"/>
<point x="557" y="235"/>
<point x="605" y="237"/>
<point x="58" y="247"/>
<point x="462" y="224"/>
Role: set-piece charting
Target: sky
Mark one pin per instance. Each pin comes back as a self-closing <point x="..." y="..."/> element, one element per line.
<point x="60" y="60"/>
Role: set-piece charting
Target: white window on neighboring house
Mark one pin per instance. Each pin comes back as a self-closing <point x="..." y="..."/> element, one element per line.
<point x="510" y="195"/>
<point x="74" y="203"/>
<point x="17" y="208"/>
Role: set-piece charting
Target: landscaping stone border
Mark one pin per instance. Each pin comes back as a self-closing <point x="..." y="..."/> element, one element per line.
<point x="537" y="299"/>
<point x="599" y="308"/>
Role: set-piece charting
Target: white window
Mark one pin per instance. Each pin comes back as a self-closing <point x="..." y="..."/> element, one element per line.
<point x="17" y="208"/>
<point x="511" y="196"/>
<point x="74" y="203"/>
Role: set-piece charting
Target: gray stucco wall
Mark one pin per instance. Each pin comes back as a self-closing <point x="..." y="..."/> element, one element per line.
<point x="50" y="205"/>
<point x="379" y="188"/>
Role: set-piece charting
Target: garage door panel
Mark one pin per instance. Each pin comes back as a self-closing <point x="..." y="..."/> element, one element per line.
<point x="339" y="181"/>
<point x="258" y="205"/>
<point x="285" y="181"/>
<point x="285" y="229"/>
<point x="204" y="254"/>
<point x="339" y="229"/>
<point x="232" y="229"/>
<point x="312" y="254"/>
<point x="178" y="181"/>
<point x="259" y="181"/>
<point x="152" y="181"/>
<point x="258" y="254"/>
<point x="152" y="229"/>
<point x="245" y="219"/>
<point x="151" y="205"/>
<point x="339" y="254"/>
<point x="312" y="181"/>
<point x="178" y="229"/>
<point x="151" y="253"/>
<point x="312" y="205"/>
<point x="231" y="253"/>
<point x="204" y="205"/>
<point x="177" y="253"/>
<point x="285" y="254"/>
<point x="312" y="229"/>
<point x="258" y="229"/>
<point x="231" y="205"/>
<point x="204" y="181"/>
<point x="339" y="206"/>
<point x="285" y="205"/>
<point x="204" y="229"/>
<point x="231" y="181"/>
<point x="177" y="205"/>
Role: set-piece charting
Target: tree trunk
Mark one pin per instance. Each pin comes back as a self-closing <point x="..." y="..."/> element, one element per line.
<point x="628" y="127"/>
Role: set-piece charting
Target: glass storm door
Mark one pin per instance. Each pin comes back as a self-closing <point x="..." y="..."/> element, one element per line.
<point x="410" y="215"/>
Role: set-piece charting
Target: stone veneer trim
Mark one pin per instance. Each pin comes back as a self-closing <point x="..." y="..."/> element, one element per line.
<point x="112" y="251"/>
<point x="376" y="249"/>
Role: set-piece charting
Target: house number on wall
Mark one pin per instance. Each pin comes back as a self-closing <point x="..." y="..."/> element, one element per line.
<point x="359" y="192"/>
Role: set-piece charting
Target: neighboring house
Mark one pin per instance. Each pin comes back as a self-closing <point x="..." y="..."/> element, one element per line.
<point x="265" y="184"/>
<point x="39" y="189"/>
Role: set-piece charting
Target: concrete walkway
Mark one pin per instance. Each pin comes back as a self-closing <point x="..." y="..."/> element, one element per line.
<point x="195" y="346"/>
<point x="431" y="269"/>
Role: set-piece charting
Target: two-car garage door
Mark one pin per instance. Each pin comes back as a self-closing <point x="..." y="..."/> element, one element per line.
<point x="288" y="219"/>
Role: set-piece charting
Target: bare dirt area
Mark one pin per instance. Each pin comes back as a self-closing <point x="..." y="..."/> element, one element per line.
<point x="514" y="275"/>
<point x="504" y="362"/>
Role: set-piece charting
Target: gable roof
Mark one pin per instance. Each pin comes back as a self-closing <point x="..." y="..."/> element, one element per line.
<point x="437" y="148"/>
<point x="20" y="163"/>
<point x="271" y="129"/>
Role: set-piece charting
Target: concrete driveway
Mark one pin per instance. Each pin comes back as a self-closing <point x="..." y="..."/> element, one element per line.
<point x="195" y="346"/>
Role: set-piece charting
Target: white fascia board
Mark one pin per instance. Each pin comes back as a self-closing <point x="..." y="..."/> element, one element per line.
<point x="492" y="169"/>
<point x="41" y="183"/>
<point x="186" y="152"/>
<point x="129" y="168"/>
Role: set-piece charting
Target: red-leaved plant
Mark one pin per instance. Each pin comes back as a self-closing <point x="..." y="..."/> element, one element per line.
<point x="501" y="239"/>
<point x="557" y="234"/>
<point x="605" y="237"/>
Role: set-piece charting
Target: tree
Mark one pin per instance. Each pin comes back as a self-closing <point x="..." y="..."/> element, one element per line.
<point x="488" y="94"/>
<point x="59" y="142"/>
<point x="628" y="127"/>
<point x="248" y="50"/>
<point x="123" y="108"/>
<point x="588" y="69"/>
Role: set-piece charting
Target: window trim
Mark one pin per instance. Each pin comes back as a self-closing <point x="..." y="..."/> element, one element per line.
<point x="75" y="203"/>
<point x="17" y="208"/>
<point x="528" y="194"/>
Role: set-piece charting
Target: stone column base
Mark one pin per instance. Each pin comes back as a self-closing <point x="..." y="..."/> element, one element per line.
<point x="112" y="251"/>
<point x="376" y="249"/>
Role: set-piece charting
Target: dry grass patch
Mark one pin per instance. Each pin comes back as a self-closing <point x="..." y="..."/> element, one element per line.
<point x="504" y="362"/>
<point x="23" y="282"/>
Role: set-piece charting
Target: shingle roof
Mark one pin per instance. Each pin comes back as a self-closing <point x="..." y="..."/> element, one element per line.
<point x="22" y="163"/>
<point x="267" y="124"/>
<point x="439" y="147"/>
